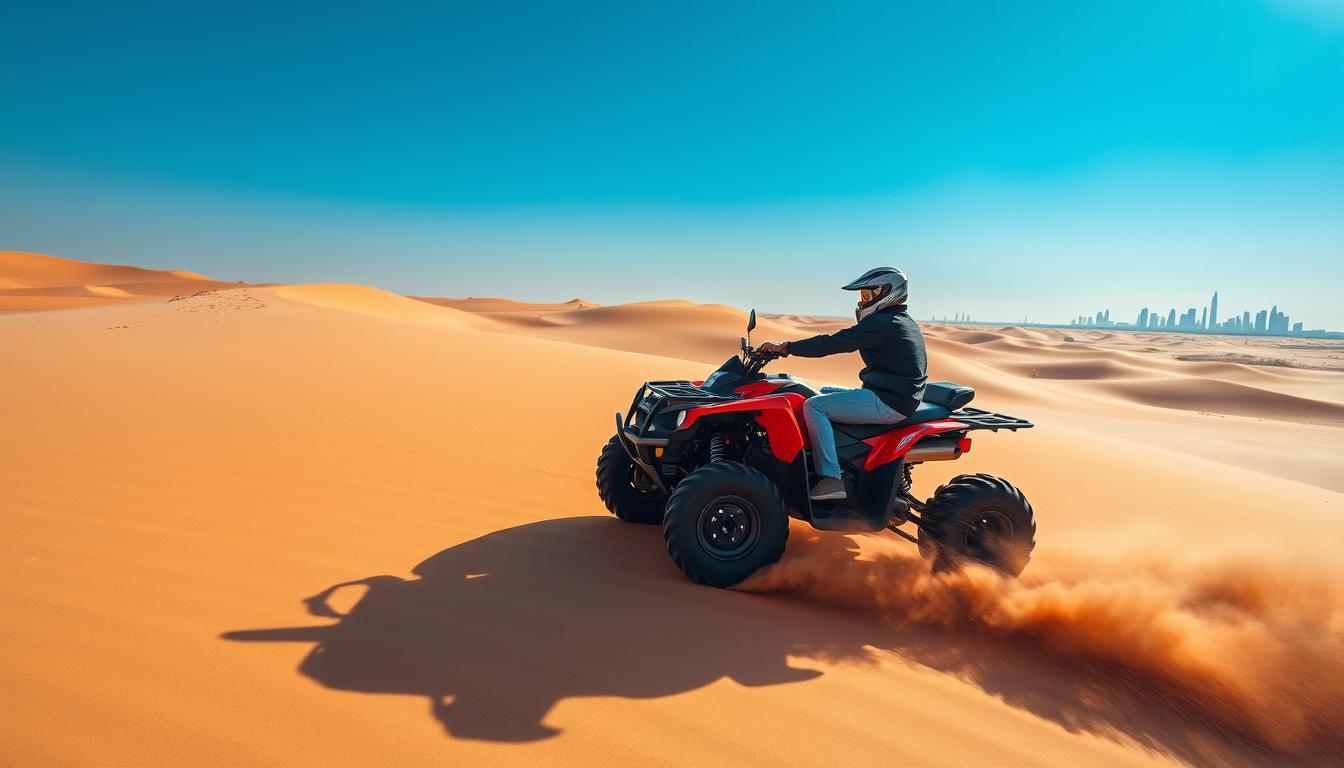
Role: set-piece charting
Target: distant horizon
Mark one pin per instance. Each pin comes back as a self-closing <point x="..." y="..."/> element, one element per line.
<point x="762" y="310"/>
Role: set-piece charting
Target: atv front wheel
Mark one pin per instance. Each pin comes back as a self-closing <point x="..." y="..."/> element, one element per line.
<point x="978" y="518"/>
<point x="724" y="521"/>
<point x="627" y="491"/>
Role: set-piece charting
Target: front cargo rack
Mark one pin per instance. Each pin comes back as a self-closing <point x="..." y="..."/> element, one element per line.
<point x="978" y="419"/>
<point x="680" y="390"/>
<point x="639" y="437"/>
<point x="655" y="397"/>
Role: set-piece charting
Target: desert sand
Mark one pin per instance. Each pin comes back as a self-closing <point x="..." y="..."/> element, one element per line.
<point x="332" y="525"/>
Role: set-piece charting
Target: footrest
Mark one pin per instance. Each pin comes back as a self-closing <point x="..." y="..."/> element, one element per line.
<point x="833" y="516"/>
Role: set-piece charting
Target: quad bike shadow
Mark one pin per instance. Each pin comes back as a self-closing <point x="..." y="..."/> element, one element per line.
<point x="497" y="630"/>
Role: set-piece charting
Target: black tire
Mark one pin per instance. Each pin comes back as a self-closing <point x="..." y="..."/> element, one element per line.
<point x="731" y="500"/>
<point x="628" y="493"/>
<point x="978" y="518"/>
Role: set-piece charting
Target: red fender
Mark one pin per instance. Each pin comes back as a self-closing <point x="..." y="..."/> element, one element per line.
<point x="777" y="414"/>
<point x="757" y="388"/>
<point x="890" y="446"/>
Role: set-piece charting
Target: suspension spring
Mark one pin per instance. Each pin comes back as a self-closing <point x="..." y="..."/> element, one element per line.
<point x="716" y="448"/>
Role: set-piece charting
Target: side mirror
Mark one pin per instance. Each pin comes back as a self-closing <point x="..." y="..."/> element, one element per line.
<point x="751" y="321"/>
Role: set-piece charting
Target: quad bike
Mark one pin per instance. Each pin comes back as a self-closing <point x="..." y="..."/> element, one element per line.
<point x="722" y="463"/>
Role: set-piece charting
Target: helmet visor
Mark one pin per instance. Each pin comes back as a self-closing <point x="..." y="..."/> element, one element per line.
<point x="869" y="295"/>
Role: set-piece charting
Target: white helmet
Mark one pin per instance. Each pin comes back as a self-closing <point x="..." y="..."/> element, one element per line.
<point x="882" y="287"/>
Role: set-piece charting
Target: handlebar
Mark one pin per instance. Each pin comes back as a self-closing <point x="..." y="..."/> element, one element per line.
<point x="756" y="359"/>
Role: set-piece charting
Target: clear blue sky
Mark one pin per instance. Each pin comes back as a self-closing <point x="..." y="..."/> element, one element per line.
<point x="1044" y="159"/>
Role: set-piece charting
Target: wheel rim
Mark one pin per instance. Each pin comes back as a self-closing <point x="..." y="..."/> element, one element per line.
<point x="641" y="483"/>
<point x="988" y="537"/>
<point x="728" y="528"/>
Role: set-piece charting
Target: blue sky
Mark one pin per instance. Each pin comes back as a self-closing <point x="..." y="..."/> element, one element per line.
<point x="1044" y="160"/>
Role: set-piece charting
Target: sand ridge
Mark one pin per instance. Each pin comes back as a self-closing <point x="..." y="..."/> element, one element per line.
<point x="374" y="302"/>
<point x="38" y="282"/>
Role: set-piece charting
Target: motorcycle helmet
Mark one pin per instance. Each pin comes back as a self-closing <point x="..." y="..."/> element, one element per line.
<point x="878" y="289"/>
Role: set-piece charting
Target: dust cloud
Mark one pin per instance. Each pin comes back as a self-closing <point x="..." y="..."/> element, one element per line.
<point x="1257" y="648"/>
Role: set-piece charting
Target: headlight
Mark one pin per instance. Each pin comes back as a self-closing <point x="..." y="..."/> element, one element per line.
<point x="681" y="419"/>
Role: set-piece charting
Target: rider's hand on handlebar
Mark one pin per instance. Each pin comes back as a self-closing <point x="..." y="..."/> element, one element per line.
<point x="772" y="348"/>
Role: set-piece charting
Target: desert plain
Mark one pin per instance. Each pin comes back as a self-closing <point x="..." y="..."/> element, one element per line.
<point x="246" y="524"/>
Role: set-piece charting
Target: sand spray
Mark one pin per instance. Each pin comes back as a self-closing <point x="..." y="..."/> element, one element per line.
<point x="1252" y="647"/>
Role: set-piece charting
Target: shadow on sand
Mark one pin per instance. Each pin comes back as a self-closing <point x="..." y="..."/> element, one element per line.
<point x="495" y="631"/>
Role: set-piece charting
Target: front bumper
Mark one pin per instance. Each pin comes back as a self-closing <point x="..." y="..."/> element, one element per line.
<point x="650" y="422"/>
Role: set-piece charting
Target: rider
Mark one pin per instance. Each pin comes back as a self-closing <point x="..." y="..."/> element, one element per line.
<point x="895" y="371"/>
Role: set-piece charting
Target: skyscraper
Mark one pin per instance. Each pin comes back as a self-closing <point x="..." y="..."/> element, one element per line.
<point x="1171" y="318"/>
<point x="1142" y="322"/>
<point x="1213" y="311"/>
<point x="1246" y="322"/>
<point x="1260" y="317"/>
<point x="1278" y="321"/>
<point x="1204" y="320"/>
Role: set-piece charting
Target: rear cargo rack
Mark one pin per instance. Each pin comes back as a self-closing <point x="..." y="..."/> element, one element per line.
<point x="978" y="419"/>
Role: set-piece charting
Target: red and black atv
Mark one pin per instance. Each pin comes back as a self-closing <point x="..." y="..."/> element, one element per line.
<point x="722" y="463"/>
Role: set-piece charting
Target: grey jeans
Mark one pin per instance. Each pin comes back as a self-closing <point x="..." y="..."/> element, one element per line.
<point x="847" y="406"/>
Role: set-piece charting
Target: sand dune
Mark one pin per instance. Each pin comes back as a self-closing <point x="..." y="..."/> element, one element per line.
<point x="39" y="270"/>
<point x="488" y="304"/>
<point x="31" y="282"/>
<point x="362" y="300"/>
<point x="669" y="328"/>
<point x="1228" y="397"/>
<point x="331" y="525"/>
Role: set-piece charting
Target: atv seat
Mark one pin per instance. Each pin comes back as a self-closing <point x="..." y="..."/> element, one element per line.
<point x="925" y="412"/>
<point x="949" y="395"/>
<point x="940" y="399"/>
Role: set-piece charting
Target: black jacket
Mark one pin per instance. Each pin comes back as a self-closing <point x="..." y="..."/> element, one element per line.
<point x="892" y="347"/>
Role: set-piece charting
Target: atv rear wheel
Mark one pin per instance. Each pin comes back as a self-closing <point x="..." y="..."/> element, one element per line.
<point x="978" y="518"/>
<point x="625" y="489"/>
<point x="724" y="521"/>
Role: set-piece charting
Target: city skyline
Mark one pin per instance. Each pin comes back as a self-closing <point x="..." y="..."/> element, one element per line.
<point x="1268" y="321"/>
